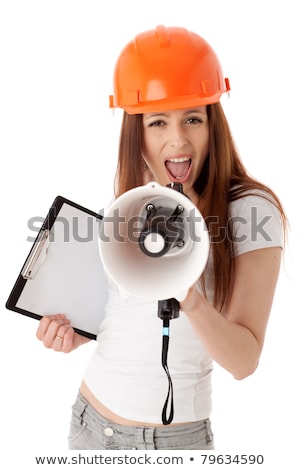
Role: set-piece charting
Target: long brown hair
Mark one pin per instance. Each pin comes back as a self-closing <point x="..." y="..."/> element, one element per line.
<point x="222" y="180"/>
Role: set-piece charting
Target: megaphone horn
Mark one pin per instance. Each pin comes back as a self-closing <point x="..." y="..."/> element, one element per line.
<point x="154" y="242"/>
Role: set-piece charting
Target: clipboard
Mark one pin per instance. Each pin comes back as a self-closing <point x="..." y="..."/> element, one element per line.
<point x="63" y="272"/>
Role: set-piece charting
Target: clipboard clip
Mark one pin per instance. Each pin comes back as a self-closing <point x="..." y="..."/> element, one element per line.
<point x="37" y="255"/>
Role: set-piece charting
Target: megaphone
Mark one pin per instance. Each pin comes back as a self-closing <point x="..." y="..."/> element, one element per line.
<point x="154" y="242"/>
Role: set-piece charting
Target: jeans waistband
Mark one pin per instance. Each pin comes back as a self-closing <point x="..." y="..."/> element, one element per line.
<point x="157" y="431"/>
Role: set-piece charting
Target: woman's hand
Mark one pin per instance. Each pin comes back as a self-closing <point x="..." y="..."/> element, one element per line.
<point x="56" y="332"/>
<point x="191" y="301"/>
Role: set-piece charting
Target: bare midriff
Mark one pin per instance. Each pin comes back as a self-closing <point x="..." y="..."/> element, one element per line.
<point x="110" y="415"/>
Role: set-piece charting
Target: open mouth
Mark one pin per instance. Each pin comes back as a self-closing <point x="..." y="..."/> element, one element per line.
<point x="178" y="169"/>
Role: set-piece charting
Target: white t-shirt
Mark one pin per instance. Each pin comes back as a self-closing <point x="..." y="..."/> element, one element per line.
<point x="125" y="372"/>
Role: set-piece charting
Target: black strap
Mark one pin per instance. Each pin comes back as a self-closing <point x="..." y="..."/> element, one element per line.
<point x="169" y="400"/>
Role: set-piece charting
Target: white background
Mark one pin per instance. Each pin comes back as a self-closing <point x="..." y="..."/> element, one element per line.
<point x="59" y="137"/>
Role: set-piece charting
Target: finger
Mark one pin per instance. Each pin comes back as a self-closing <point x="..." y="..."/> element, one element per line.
<point x="45" y="322"/>
<point x="59" y="341"/>
<point x="69" y="338"/>
<point x="52" y="331"/>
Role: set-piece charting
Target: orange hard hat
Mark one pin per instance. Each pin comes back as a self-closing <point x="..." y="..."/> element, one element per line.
<point x="167" y="68"/>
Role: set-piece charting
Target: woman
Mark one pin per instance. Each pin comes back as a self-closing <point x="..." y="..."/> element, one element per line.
<point x="169" y="83"/>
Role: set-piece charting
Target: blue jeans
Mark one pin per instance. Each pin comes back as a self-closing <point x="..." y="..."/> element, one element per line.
<point x="89" y="430"/>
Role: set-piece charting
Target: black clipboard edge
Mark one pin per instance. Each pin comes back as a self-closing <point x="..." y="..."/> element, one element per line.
<point x="20" y="282"/>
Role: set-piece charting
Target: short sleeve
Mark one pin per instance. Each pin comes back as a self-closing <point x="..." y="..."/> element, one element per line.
<point x="256" y="223"/>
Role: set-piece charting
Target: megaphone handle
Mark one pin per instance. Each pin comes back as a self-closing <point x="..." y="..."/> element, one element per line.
<point x="165" y="347"/>
<point x="168" y="309"/>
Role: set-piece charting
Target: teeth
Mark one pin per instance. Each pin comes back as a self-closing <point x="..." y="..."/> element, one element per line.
<point x="179" y="160"/>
